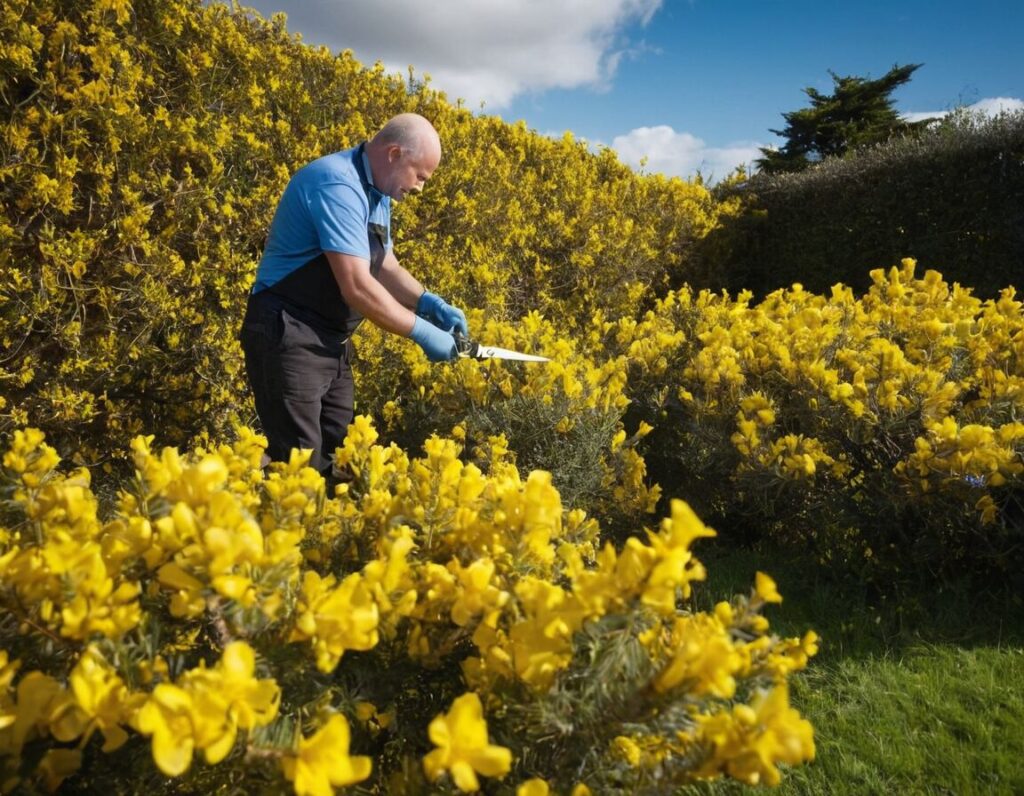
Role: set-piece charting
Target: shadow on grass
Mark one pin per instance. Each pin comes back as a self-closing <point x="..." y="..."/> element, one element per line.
<point x="856" y="620"/>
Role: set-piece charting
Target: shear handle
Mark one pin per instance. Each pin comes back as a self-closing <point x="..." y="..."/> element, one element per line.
<point x="466" y="347"/>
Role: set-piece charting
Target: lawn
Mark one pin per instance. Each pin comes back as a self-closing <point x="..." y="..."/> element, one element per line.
<point x="920" y="694"/>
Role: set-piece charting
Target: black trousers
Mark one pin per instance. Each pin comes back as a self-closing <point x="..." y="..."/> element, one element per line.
<point x="300" y="379"/>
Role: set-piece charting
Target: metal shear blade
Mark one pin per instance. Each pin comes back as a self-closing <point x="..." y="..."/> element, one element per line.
<point x="493" y="352"/>
<point x="470" y="349"/>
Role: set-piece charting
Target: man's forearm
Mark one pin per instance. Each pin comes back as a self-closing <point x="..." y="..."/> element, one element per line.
<point x="369" y="297"/>
<point x="399" y="283"/>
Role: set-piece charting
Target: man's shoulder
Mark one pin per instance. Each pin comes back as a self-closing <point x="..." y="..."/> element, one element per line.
<point x="337" y="167"/>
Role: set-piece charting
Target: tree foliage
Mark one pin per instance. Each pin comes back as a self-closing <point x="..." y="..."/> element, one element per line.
<point x="859" y="112"/>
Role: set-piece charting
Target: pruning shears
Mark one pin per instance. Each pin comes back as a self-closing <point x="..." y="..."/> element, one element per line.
<point x="470" y="349"/>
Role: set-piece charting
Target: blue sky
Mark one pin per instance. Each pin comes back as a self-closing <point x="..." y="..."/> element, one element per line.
<point x="685" y="84"/>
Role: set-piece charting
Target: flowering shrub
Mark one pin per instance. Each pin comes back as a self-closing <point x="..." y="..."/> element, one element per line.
<point x="143" y="150"/>
<point x="884" y="431"/>
<point x="563" y="416"/>
<point x="428" y="623"/>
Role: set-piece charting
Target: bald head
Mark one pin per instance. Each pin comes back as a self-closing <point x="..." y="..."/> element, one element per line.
<point x="403" y="155"/>
<point x="410" y="131"/>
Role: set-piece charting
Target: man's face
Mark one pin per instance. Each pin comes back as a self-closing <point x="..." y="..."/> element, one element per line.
<point x="408" y="172"/>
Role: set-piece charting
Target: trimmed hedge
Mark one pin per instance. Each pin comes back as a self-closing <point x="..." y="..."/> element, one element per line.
<point x="952" y="197"/>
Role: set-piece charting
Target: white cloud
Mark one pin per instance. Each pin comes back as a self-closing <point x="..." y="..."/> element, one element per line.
<point x="486" y="51"/>
<point x="991" y="106"/>
<point x="920" y="116"/>
<point x="675" y="154"/>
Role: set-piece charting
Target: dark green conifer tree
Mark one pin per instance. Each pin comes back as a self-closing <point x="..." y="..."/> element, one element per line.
<point x="858" y="113"/>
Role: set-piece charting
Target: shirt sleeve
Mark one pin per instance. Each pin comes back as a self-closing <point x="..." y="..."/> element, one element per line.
<point x="340" y="214"/>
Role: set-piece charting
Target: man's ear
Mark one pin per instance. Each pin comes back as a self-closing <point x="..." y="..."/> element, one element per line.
<point x="394" y="153"/>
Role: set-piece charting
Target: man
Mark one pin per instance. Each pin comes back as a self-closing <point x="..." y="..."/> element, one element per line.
<point x="328" y="263"/>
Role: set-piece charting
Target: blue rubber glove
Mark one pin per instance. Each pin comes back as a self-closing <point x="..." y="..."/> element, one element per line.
<point x="442" y="314"/>
<point x="437" y="344"/>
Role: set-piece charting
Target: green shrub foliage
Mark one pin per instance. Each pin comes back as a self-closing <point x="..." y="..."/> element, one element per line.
<point x="952" y="196"/>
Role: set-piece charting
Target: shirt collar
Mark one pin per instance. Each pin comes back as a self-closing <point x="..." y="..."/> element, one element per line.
<point x="366" y="166"/>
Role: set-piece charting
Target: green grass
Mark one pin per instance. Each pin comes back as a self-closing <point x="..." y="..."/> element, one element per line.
<point x="921" y="694"/>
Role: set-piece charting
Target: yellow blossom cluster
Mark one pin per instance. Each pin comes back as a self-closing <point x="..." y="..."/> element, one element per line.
<point x="205" y="709"/>
<point x="246" y="586"/>
<point x="750" y="740"/>
<point x="564" y="416"/>
<point x="460" y="736"/>
<point x="954" y="452"/>
<point x="322" y="761"/>
<point x="60" y="559"/>
<point x="903" y="402"/>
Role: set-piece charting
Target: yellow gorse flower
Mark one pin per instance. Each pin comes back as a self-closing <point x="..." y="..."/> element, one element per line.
<point x="336" y="619"/>
<point x="322" y="762"/>
<point x="101" y="701"/>
<point x="533" y="787"/>
<point x="765" y="588"/>
<point x="748" y="742"/>
<point x="206" y="709"/>
<point x="167" y="716"/>
<point x="703" y="657"/>
<point x="463" y="749"/>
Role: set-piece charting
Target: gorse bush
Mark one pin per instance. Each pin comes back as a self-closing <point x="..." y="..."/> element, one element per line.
<point x="140" y="173"/>
<point x="429" y="626"/>
<point x="144" y="149"/>
<point x="882" y="432"/>
<point x="565" y="416"/>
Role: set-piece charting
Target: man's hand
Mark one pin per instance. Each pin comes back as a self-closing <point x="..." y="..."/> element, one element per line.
<point x="442" y="314"/>
<point x="437" y="344"/>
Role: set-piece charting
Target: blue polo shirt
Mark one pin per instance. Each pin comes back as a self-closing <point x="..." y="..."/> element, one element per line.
<point x="328" y="205"/>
